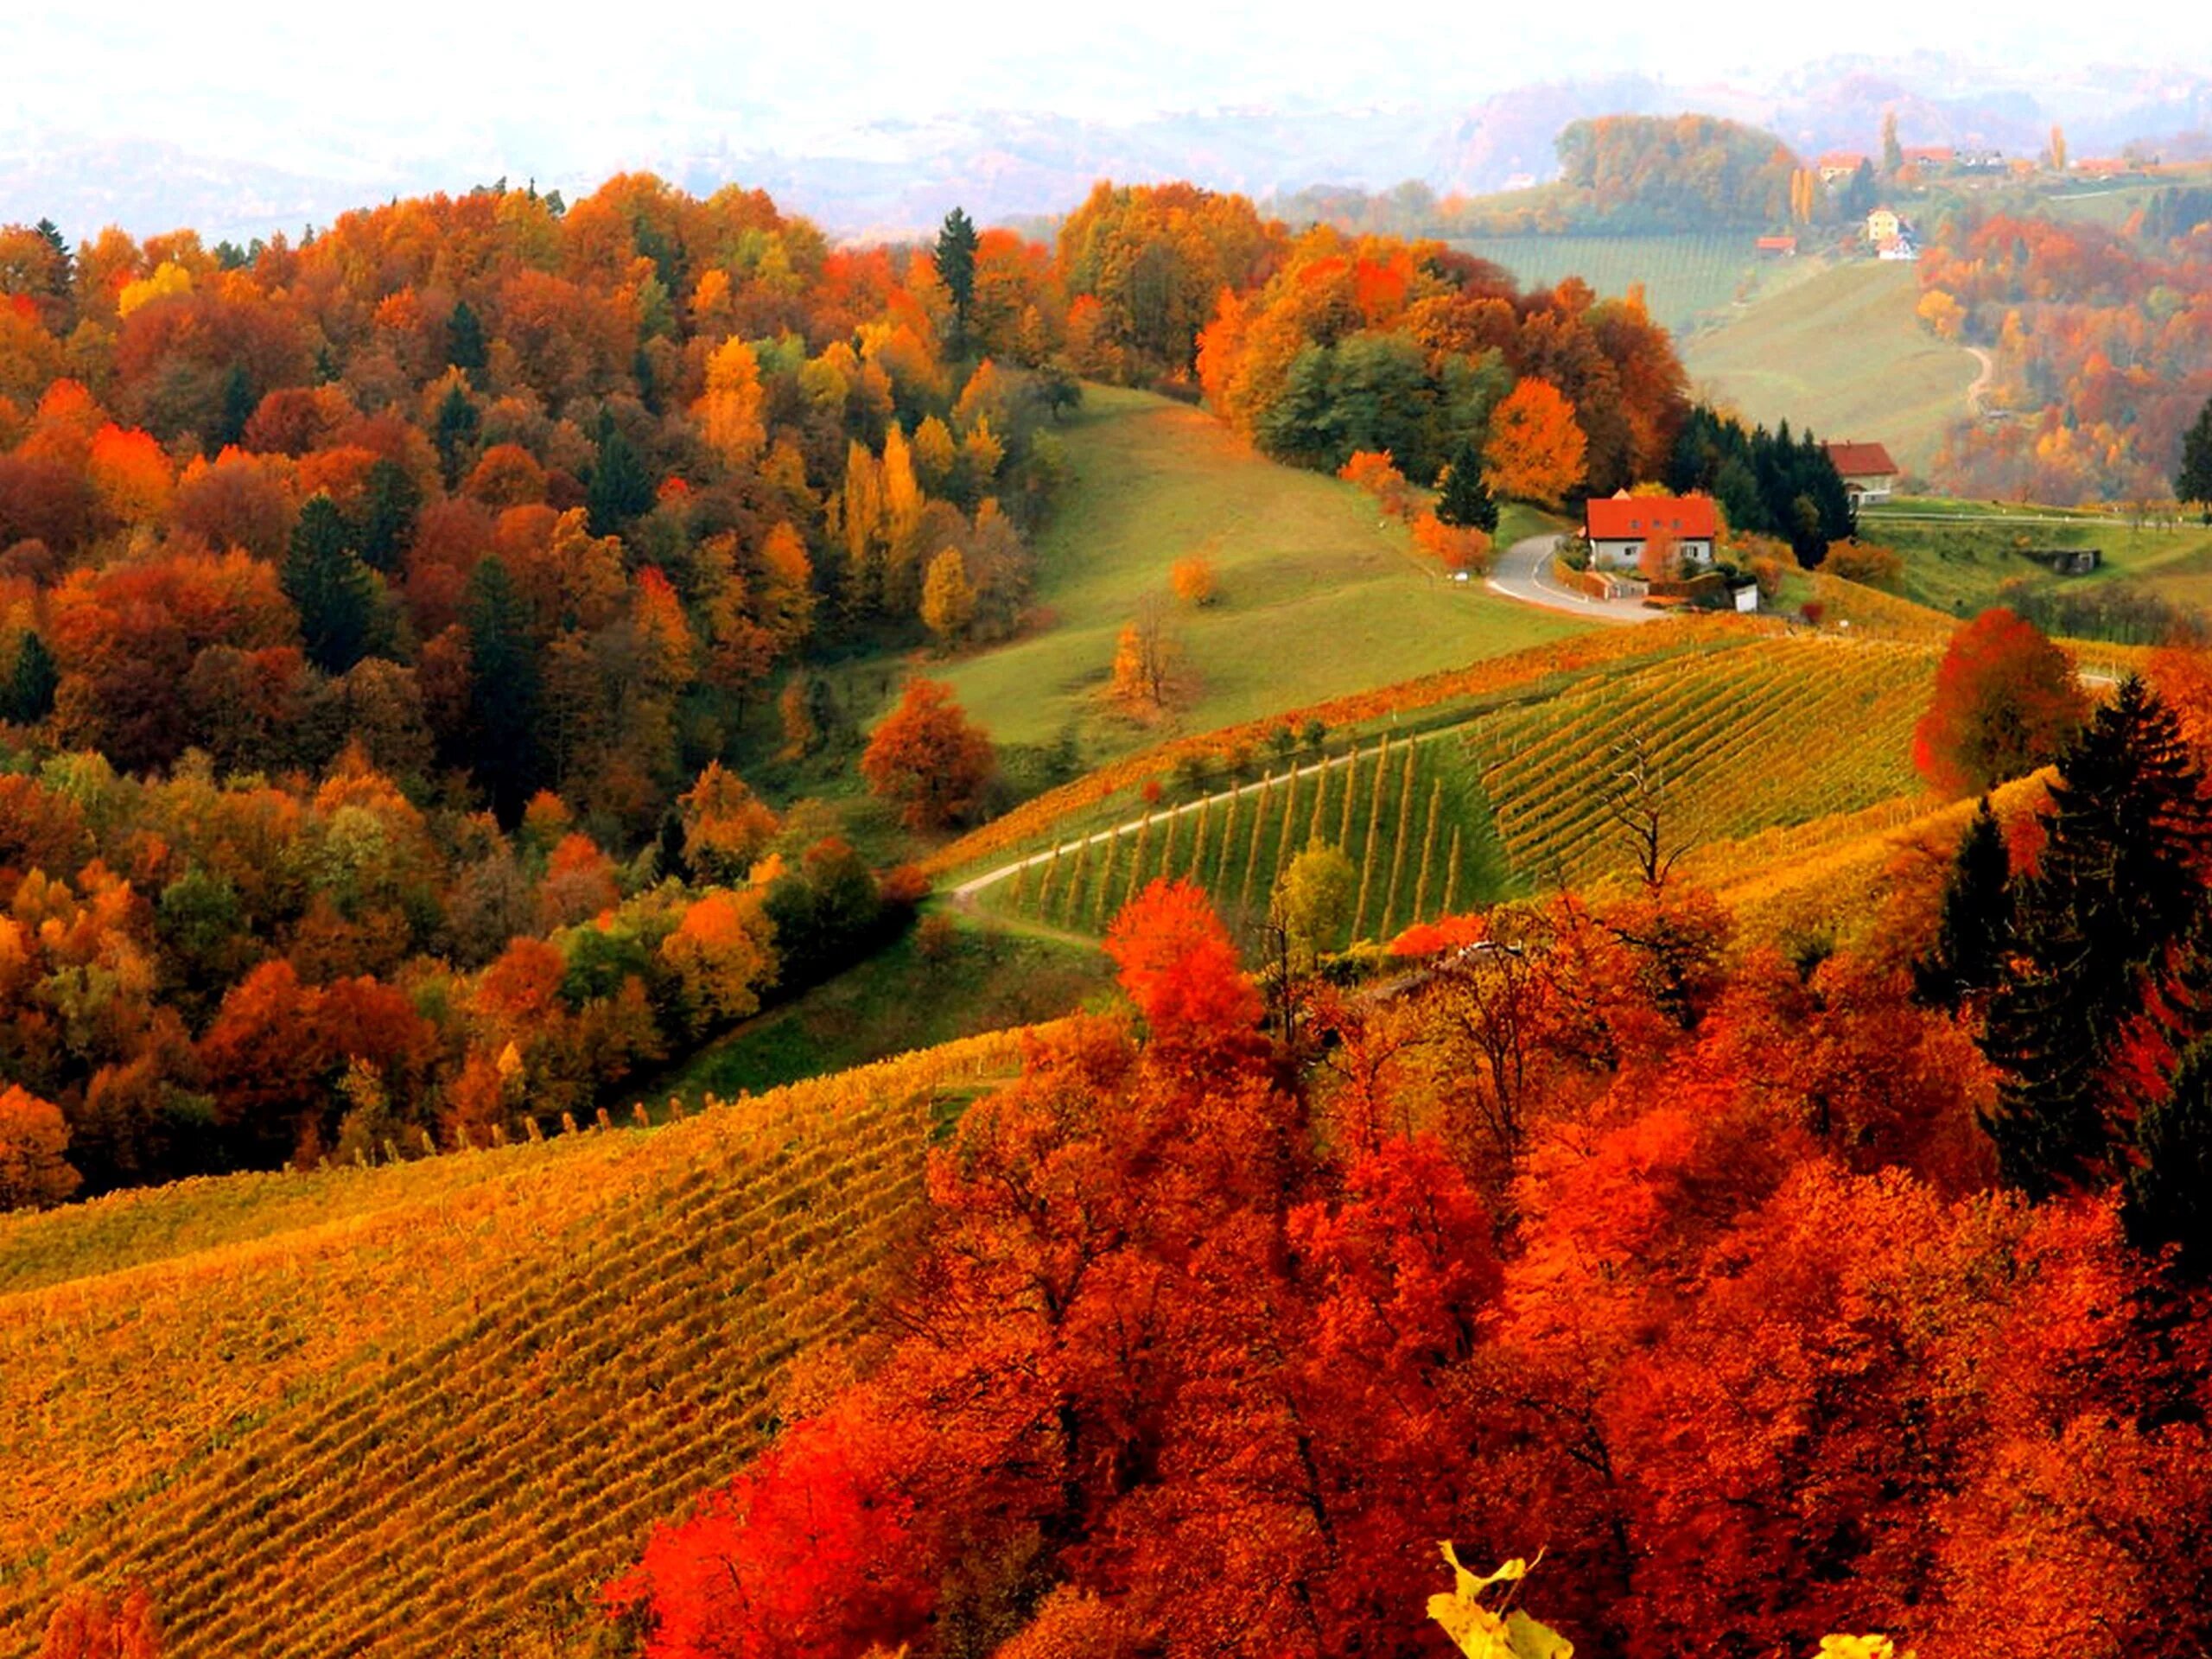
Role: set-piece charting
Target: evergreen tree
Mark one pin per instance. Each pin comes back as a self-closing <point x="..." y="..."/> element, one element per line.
<point x="955" y="263"/>
<point x="29" y="695"/>
<point x="1465" y="501"/>
<point x="1976" y="924"/>
<point x="454" y="432"/>
<point x="2194" y="481"/>
<point x="621" y="489"/>
<point x="2170" y="1189"/>
<point x="2118" y="885"/>
<point x="238" y="404"/>
<point x="465" y="347"/>
<point x="335" y="592"/>
<point x="390" y="499"/>
<point x="502" y="689"/>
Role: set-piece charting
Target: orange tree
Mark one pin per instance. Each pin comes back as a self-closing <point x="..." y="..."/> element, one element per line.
<point x="2007" y="701"/>
<point x="928" y="758"/>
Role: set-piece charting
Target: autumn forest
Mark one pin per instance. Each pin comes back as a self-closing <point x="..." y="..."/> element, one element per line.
<point x="582" y="1073"/>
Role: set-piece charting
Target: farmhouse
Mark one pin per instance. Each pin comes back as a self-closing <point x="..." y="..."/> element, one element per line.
<point x="1868" y="473"/>
<point x="1884" y="226"/>
<point x="1778" y="247"/>
<point x="1617" y="527"/>
<point x="1839" y="164"/>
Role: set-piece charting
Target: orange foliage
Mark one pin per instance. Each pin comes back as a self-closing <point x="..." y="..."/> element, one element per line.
<point x="1536" y="449"/>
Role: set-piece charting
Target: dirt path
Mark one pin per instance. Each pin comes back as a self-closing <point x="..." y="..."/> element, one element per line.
<point x="1980" y="381"/>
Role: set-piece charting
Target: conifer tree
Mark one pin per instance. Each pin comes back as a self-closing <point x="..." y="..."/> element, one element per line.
<point x="621" y="489"/>
<point x="1465" y="501"/>
<point x="2170" y="1189"/>
<point x="237" y="408"/>
<point x="955" y="263"/>
<point x="2119" y="884"/>
<point x="2194" y="481"/>
<point x="1976" y="924"/>
<point x="503" y="688"/>
<point x="390" y="500"/>
<point x="30" y="691"/>
<point x="334" y="591"/>
<point x="465" y="347"/>
<point x="453" y="431"/>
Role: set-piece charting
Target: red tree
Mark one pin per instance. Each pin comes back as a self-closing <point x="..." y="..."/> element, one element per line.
<point x="928" y="758"/>
<point x="2007" y="701"/>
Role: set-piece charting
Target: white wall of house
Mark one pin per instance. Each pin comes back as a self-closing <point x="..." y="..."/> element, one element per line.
<point x="1623" y="555"/>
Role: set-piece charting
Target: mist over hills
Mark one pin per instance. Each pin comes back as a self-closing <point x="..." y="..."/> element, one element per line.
<point x="900" y="173"/>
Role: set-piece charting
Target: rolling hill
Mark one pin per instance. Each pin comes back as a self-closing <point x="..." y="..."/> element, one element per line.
<point x="1842" y="353"/>
<point x="423" y="1408"/>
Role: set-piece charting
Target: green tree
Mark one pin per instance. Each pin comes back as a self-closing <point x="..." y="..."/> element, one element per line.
<point x="335" y="594"/>
<point x="465" y="347"/>
<point x="238" y="407"/>
<point x="1314" y="901"/>
<point x="389" y="500"/>
<point x="955" y="263"/>
<point x="1465" y="500"/>
<point x="621" y="489"/>
<point x="502" y="689"/>
<point x="1976" y="924"/>
<point x="2170" y="1188"/>
<point x="28" y="694"/>
<point x="2125" y="836"/>
<point x="1892" y="151"/>
<point x="2194" y="481"/>
<point x="453" y="431"/>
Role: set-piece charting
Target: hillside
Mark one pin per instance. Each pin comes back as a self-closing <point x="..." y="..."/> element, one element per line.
<point x="1686" y="277"/>
<point x="1317" y="597"/>
<point x="1511" y="800"/>
<point x="414" y="1409"/>
<point x="1843" y="353"/>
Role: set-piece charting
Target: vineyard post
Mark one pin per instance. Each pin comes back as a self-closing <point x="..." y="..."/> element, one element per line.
<point x="1351" y="789"/>
<point x="1451" y="876"/>
<point x="1367" y="854"/>
<point x="1044" y="885"/>
<point x="1316" y="829"/>
<point x="605" y="1121"/>
<point x="1020" y="885"/>
<point x="1069" y="914"/>
<point x="1168" y="845"/>
<point x="1398" y="844"/>
<point x="1136" y="861"/>
<point x="1102" y="895"/>
<point x="1252" y="854"/>
<point x="1427" y="850"/>
<point x="1198" y="871"/>
<point x="1290" y="828"/>
<point x="1228" y="843"/>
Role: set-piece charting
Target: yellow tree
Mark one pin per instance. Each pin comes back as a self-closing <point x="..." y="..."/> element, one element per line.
<point x="947" y="597"/>
<point x="729" y="410"/>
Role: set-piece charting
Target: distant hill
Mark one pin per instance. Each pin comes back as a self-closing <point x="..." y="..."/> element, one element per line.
<point x="1841" y="352"/>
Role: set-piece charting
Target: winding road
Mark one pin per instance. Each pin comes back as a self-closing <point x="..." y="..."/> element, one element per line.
<point x="1523" y="571"/>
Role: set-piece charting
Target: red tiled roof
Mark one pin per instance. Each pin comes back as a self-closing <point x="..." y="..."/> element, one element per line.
<point x="1632" y="517"/>
<point x="1778" y="244"/>
<point x="1862" y="460"/>
<point x="1928" y="153"/>
<point x="1849" y="158"/>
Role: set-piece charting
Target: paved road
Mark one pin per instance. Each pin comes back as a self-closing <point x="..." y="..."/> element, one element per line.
<point x="1523" y="571"/>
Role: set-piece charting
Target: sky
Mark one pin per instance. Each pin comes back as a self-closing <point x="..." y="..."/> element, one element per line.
<point x="389" y="96"/>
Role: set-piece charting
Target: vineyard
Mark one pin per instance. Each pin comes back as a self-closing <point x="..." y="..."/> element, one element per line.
<point x="1410" y="814"/>
<point x="1779" y="734"/>
<point x="1744" y="737"/>
<point x="423" y="1408"/>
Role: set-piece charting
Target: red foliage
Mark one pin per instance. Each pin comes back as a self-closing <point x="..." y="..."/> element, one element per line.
<point x="2006" y="701"/>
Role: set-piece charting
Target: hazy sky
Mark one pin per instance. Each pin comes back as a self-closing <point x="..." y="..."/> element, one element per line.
<point x="416" y="79"/>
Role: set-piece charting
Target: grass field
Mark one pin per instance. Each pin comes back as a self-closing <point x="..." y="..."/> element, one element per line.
<point x="1512" y="801"/>
<point x="1686" y="278"/>
<point x="1957" y="554"/>
<point x="912" y="995"/>
<point x="1843" y="352"/>
<point x="1317" y="598"/>
<point x="424" y="1409"/>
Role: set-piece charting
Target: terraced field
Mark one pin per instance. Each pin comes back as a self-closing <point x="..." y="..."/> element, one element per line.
<point x="432" y="1422"/>
<point x="1749" y="735"/>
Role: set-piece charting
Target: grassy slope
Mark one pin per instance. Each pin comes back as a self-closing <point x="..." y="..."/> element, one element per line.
<point x="1317" y="597"/>
<point x="1956" y="565"/>
<point x="418" y="1410"/>
<point x="1685" y="278"/>
<point x="1843" y="353"/>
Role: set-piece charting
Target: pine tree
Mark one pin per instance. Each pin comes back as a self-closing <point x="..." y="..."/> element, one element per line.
<point x="334" y="593"/>
<point x="29" y="692"/>
<point x="238" y="404"/>
<point x="1465" y="500"/>
<point x="621" y="489"/>
<point x="956" y="265"/>
<point x="503" y="688"/>
<point x="453" y="431"/>
<point x="2194" y="481"/>
<point x="1976" y="924"/>
<point x="2126" y="836"/>
<point x="390" y="501"/>
<point x="465" y="347"/>
<point x="2170" y="1189"/>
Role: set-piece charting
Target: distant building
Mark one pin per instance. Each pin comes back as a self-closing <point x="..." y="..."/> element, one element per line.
<point x="1778" y="247"/>
<point x="1839" y="164"/>
<point x="1978" y="160"/>
<point x="1617" y="526"/>
<point x="1930" y="158"/>
<point x="1885" y="225"/>
<point x="1868" y="473"/>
